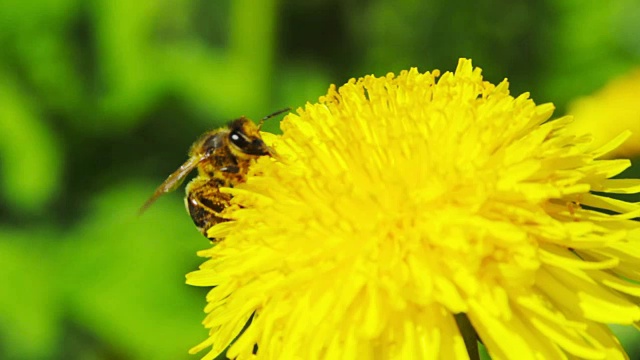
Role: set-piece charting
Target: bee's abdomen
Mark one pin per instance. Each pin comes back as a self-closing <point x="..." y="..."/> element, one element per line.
<point x="205" y="203"/>
<point x="202" y="216"/>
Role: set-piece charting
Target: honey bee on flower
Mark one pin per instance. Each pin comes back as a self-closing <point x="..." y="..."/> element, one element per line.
<point x="222" y="158"/>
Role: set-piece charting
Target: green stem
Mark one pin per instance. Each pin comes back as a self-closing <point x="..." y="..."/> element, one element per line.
<point x="469" y="335"/>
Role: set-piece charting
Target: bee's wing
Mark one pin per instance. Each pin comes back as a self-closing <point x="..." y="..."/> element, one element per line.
<point x="173" y="181"/>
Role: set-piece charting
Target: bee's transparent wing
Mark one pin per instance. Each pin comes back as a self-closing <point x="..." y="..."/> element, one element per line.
<point x="173" y="181"/>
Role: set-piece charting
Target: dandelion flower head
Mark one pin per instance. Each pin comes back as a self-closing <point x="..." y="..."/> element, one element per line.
<point x="397" y="202"/>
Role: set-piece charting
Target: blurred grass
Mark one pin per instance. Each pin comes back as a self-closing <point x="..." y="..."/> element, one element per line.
<point x="100" y="100"/>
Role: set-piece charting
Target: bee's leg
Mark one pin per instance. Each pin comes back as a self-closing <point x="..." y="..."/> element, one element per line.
<point x="205" y="204"/>
<point x="233" y="169"/>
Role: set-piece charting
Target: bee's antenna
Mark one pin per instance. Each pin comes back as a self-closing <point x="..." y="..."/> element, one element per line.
<point x="272" y="115"/>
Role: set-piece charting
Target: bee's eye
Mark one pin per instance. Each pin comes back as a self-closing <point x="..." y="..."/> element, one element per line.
<point x="238" y="139"/>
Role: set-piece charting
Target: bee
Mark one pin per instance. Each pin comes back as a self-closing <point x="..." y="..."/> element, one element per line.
<point x="222" y="157"/>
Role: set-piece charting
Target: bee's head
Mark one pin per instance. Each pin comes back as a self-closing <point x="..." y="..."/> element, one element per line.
<point x="244" y="139"/>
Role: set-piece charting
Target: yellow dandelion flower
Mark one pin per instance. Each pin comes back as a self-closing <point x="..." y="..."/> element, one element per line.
<point x="608" y="112"/>
<point x="397" y="203"/>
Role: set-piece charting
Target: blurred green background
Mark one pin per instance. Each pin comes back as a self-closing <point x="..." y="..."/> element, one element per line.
<point x="100" y="100"/>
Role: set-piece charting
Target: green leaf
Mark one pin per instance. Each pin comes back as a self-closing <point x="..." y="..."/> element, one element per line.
<point x="30" y="155"/>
